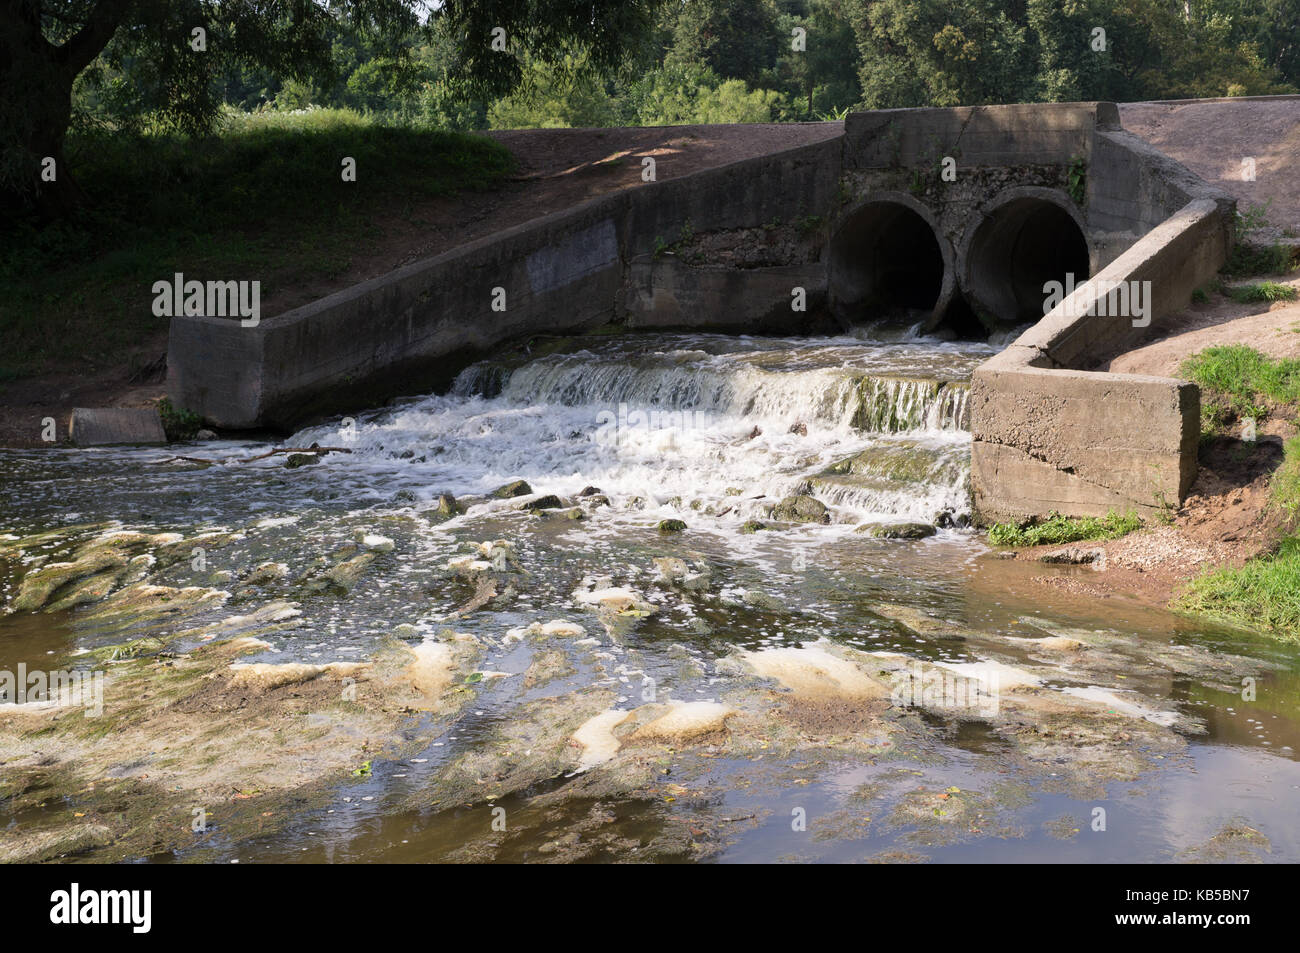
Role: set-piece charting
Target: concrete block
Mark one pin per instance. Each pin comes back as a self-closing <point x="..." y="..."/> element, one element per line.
<point x="100" y="427"/>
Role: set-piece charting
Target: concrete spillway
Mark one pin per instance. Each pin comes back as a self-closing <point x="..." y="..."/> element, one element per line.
<point x="951" y="218"/>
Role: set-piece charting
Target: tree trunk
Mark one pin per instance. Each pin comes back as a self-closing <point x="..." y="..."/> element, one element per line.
<point x="36" y="80"/>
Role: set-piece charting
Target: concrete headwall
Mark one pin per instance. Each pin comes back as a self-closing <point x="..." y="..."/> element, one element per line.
<point x="1047" y="436"/>
<point x="726" y="247"/>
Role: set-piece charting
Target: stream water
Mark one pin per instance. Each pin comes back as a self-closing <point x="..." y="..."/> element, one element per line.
<point x="712" y="431"/>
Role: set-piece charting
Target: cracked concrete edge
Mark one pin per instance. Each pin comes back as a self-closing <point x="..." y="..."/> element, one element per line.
<point x="1050" y="436"/>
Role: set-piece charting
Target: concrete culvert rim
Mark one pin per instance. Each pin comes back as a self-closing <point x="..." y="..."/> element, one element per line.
<point x="889" y="261"/>
<point x="1027" y="237"/>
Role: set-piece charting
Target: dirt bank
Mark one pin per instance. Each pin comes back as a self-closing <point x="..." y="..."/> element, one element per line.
<point x="1213" y="138"/>
<point x="558" y="168"/>
<point x="1227" y="518"/>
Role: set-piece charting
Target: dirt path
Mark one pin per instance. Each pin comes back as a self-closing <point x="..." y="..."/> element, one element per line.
<point x="1273" y="329"/>
<point x="558" y="168"/>
<point x="1212" y="139"/>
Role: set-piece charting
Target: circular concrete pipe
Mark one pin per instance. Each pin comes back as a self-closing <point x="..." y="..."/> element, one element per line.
<point x="888" y="261"/>
<point x="1024" y="239"/>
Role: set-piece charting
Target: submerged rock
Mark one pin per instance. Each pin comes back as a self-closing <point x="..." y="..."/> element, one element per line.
<point x="812" y="673"/>
<point x="685" y="721"/>
<point x="556" y="627"/>
<point x="548" y="502"/>
<point x="512" y="489"/>
<point x="349" y="572"/>
<point x="671" y="568"/>
<point x="801" y="509"/>
<point x="617" y="598"/>
<point x="265" y="573"/>
<point x="377" y="544"/>
<point x="897" y="530"/>
<point x="596" y="738"/>
<point x="266" y="676"/>
<point x="671" y="526"/>
<point x="752" y="526"/>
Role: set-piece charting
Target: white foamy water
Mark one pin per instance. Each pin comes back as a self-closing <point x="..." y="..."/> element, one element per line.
<point x="689" y="422"/>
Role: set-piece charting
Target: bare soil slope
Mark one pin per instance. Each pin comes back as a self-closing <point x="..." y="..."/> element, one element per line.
<point x="1212" y="139"/>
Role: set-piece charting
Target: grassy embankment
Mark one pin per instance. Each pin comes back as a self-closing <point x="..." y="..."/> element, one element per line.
<point x="1240" y="384"/>
<point x="262" y="200"/>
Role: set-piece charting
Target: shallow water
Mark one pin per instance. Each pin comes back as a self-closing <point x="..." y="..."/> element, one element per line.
<point x="711" y="430"/>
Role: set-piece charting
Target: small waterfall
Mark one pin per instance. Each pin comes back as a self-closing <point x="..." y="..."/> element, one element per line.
<point x="891" y="405"/>
<point x="698" y="423"/>
<point x="838" y="396"/>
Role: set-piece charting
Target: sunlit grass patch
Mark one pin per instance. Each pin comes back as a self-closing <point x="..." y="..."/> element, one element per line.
<point x="1263" y="291"/>
<point x="1057" y="529"/>
<point x="1263" y="594"/>
<point x="1237" y="381"/>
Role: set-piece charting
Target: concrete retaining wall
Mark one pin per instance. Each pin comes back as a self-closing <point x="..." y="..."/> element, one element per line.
<point x="412" y="330"/>
<point x="1047" y="436"/>
<point x="1048" y="433"/>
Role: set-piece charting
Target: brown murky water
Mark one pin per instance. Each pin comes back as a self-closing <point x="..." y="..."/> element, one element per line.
<point x="1130" y="734"/>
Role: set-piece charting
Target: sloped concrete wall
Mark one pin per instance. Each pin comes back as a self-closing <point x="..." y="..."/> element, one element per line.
<point x="414" y="329"/>
<point x="1049" y="437"/>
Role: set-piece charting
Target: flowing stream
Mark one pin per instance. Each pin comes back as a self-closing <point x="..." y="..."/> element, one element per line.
<point x="1109" y="704"/>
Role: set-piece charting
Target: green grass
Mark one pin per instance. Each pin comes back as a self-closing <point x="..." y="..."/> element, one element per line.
<point x="1263" y="594"/>
<point x="178" y="424"/>
<point x="1263" y="291"/>
<point x="1286" y="479"/>
<point x="262" y="200"/>
<point x="1057" y="529"/>
<point x="1237" y="381"/>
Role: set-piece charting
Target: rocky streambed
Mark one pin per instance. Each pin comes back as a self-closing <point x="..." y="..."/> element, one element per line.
<point x="660" y="599"/>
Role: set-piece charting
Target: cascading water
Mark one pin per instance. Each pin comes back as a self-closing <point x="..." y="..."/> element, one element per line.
<point x="568" y="634"/>
<point x="724" y="427"/>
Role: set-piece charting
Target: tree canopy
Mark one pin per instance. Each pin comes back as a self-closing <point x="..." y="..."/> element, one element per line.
<point x="173" y="66"/>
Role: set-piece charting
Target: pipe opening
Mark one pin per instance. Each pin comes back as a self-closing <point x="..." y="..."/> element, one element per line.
<point x="1017" y="249"/>
<point x="885" y="264"/>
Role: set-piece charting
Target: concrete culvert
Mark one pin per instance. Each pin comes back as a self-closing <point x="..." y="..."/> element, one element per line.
<point x="885" y="264"/>
<point x="1014" y="251"/>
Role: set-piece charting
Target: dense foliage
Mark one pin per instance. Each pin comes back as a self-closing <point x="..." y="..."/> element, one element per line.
<point x="672" y="61"/>
<point x="138" y="66"/>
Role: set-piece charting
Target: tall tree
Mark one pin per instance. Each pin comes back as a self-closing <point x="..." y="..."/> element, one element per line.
<point x="46" y="44"/>
<point x="944" y="53"/>
<point x="737" y="39"/>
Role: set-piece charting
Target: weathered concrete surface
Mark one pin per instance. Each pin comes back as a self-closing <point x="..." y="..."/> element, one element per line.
<point x="666" y="292"/>
<point x="1047" y="434"/>
<point x="1080" y="443"/>
<point x="1047" y="438"/>
<point x="101" y="427"/>
<point x="988" y="136"/>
